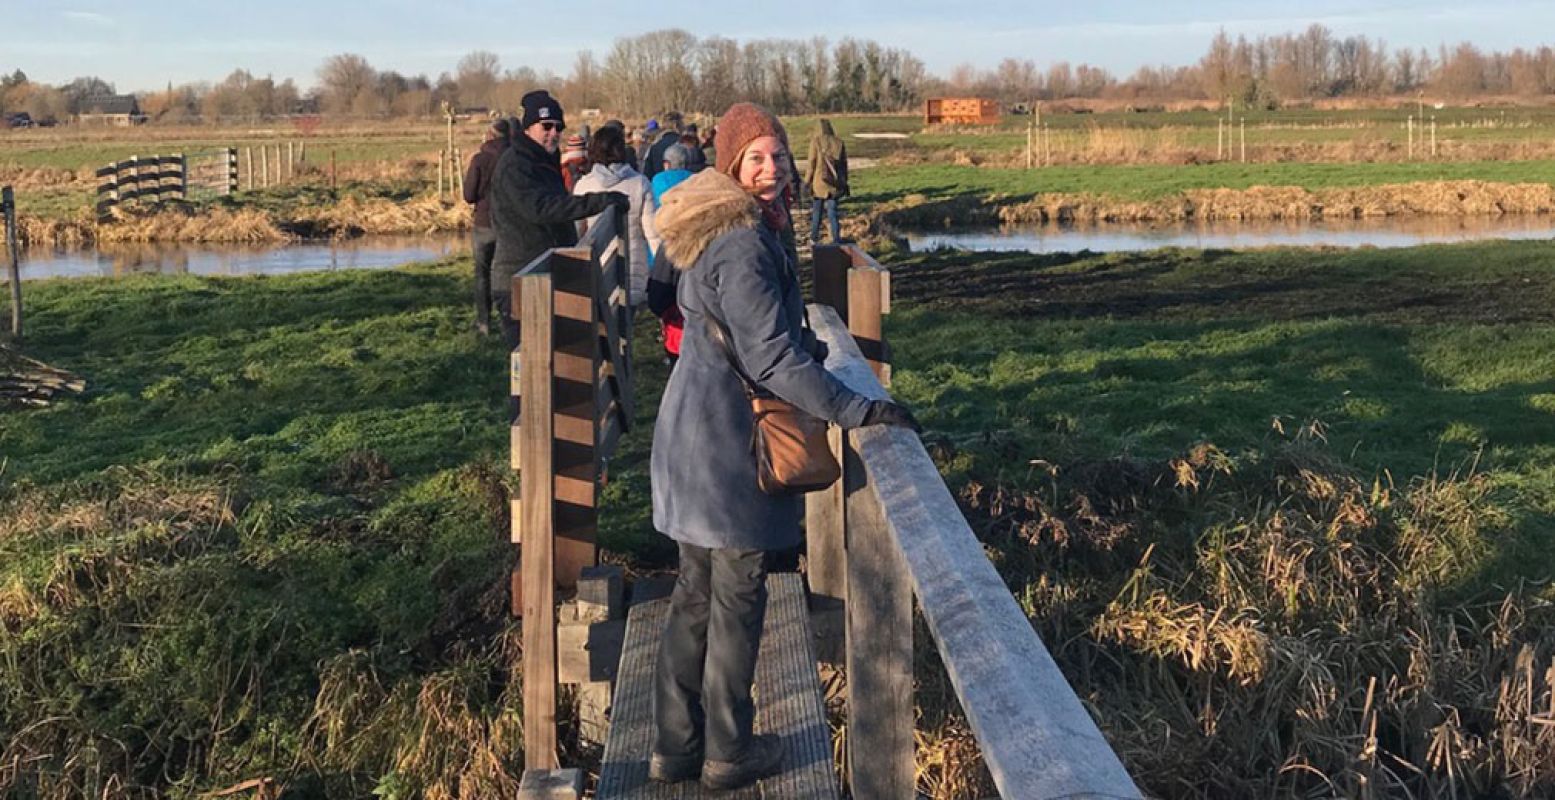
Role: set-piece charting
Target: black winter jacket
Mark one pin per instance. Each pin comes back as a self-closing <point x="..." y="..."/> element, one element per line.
<point x="531" y="210"/>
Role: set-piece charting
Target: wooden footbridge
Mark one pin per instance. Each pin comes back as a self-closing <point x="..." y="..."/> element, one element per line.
<point x="888" y="533"/>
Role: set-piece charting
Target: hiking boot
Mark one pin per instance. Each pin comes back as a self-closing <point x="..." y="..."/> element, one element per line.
<point x="673" y="769"/>
<point x="763" y="760"/>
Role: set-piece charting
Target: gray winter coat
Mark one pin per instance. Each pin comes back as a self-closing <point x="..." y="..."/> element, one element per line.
<point x="703" y="471"/>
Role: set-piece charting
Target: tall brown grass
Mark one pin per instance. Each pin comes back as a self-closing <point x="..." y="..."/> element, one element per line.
<point x="1274" y="626"/>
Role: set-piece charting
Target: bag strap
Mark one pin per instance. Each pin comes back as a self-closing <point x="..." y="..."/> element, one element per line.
<point x="719" y="333"/>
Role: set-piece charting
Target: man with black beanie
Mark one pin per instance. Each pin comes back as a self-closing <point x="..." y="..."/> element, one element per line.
<point x="531" y="209"/>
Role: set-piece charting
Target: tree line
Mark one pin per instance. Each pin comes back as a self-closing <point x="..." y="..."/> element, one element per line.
<point x="672" y="69"/>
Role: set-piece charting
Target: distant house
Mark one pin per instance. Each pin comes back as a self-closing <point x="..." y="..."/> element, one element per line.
<point x="111" y="109"/>
<point x="960" y="111"/>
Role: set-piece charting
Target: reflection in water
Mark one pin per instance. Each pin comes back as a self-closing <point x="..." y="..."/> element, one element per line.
<point x="1109" y="237"/>
<point x="171" y="258"/>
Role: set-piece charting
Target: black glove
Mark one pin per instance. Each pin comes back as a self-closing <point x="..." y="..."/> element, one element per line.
<point x="885" y="412"/>
<point x="815" y="347"/>
<point x="620" y="200"/>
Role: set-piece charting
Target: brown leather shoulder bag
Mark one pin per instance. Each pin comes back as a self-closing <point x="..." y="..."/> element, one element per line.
<point x="793" y="455"/>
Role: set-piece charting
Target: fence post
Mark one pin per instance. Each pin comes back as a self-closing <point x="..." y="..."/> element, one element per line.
<point x="110" y="187"/>
<point x="1244" y="139"/>
<point x="232" y="171"/>
<point x="1433" y="136"/>
<point x="331" y="169"/>
<point x="291" y="167"/>
<point x="279" y="177"/>
<point x="879" y="646"/>
<point x="1409" y="127"/>
<point x="13" y="249"/>
<point x="826" y="554"/>
<point x="1220" y="138"/>
<point x="1031" y="132"/>
<point x="264" y="165"/>
<point x="248" y="154"/>
<point x="183" y="177"/>
<point x="532" y="294"/>
<point x="867" y="301"/>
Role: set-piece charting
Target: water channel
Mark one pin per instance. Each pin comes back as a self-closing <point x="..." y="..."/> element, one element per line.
<point x="175" y="258"/>
<point x="384" y="252"/>
<point x="1230" y="235"/>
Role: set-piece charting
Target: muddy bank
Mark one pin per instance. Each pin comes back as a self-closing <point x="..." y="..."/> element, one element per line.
<point x="349" y="216"/>
<point x="1259" y="203"/>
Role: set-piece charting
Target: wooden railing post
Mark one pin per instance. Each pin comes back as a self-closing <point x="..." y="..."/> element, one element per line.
<point x="830" y="265"/>
<point x="852" y="554"/>
<point x="574" y="399"/>
<point x="232" y="171"/>
<point x="533" y="295"/>
<point x="868" y="300"/>
<point x="826" y="566"/>
<point x="879" y="646"/>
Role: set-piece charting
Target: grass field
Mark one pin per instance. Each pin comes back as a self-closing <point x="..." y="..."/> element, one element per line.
<point x="1228" y="488"/>
<point x="1149" y="182"/>
<point x="1112" y="158"/>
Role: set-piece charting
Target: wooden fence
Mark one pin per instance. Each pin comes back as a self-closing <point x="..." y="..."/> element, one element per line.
<point x="13" y="258"/>
<point x="140" y="177"/>
<point x="159" y="178"/>
<point x="572" y="377"/>
<point x="892" y="528"/>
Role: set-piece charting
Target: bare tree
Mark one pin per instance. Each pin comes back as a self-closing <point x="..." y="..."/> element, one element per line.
<point x="718" y="73"/>
<point x="343" y="79"/>
<point x="477" y="76"/>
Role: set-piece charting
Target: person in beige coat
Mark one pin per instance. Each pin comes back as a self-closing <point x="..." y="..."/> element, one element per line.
<point x="826" y="176"/>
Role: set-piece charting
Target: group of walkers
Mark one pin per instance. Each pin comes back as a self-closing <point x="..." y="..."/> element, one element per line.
<point x="712" y="217"/>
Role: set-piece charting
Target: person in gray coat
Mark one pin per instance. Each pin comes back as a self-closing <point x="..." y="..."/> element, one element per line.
<point x="720" y="227"/>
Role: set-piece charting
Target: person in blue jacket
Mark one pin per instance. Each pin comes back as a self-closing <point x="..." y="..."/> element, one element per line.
<point x="721" y="229"/>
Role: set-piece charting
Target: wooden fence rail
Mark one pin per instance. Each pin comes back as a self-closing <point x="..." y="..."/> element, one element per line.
<point x="572" y="378"/>
<point x="894" y="531"/>
<point x="164" y="177"/>
<point x="141" y="177"/>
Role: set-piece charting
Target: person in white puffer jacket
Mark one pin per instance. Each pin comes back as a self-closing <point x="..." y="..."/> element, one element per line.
<point x="611" y="172"/>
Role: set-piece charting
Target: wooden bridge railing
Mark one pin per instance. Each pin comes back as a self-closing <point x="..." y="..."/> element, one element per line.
<point x="572" y="378"/>
<point x="891" y="531"/>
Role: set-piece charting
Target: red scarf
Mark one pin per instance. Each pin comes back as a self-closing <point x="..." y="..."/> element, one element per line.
<point x="775" y="214"/>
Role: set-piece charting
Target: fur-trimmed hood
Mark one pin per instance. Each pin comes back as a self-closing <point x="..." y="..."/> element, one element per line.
<point x="702" y="208"/>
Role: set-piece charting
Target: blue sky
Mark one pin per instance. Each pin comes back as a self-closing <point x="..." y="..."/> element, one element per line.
<point x="143" y="44"/>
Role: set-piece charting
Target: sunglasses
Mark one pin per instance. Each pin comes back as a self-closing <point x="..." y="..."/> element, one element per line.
<point x="553" y="126"/>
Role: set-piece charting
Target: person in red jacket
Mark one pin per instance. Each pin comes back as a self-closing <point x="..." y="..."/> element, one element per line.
<point x="575" y="160"/>
<point x="483" y="240"/>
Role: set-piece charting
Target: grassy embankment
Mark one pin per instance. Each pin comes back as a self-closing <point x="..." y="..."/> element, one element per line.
<point x="386" y="175"/>
<point x="1230" y="489"/>
<point x="387" y="170"/>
